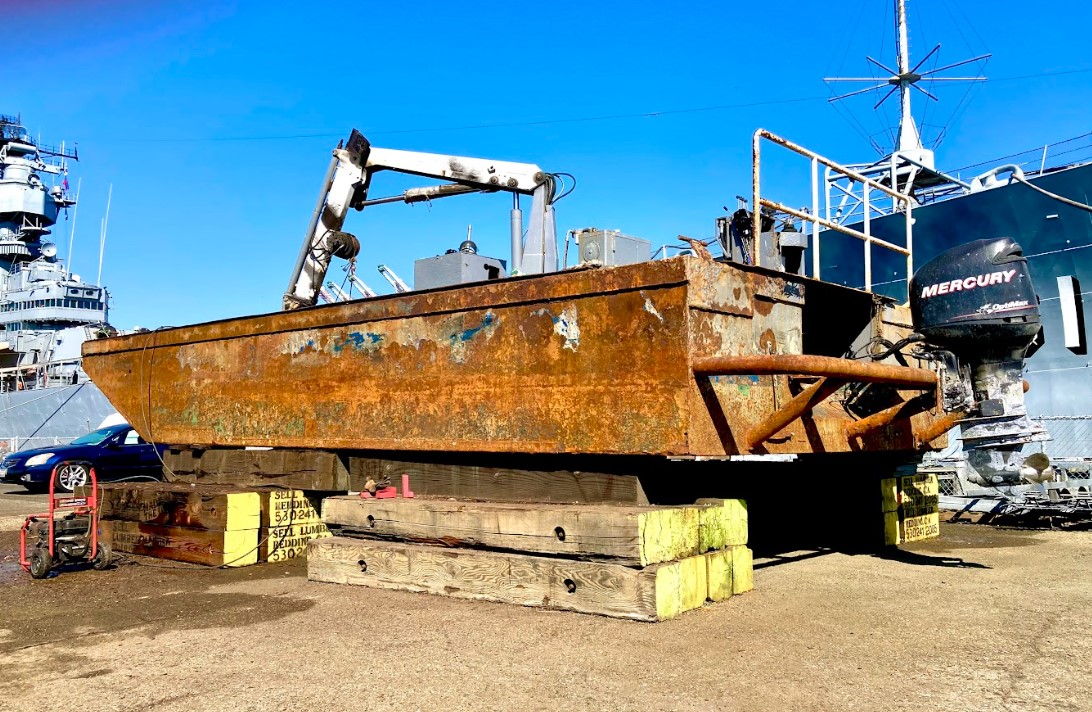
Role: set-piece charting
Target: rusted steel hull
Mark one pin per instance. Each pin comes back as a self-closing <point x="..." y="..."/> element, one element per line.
<point x="588" y="361"/>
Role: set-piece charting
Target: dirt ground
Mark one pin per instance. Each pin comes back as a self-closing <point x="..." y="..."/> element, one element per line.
<point x="982" y="619"/>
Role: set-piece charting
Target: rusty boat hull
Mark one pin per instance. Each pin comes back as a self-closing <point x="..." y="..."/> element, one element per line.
<point x="644" y="359"/>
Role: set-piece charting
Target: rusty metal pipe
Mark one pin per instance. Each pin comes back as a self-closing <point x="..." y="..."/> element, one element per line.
<point x="810" y="365"/>
<point x="802" y="403"/>
<point x="938" y="428"/>
<point x="887" y="416"/>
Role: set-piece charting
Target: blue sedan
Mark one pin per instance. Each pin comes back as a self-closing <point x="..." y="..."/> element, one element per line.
<point x="117" y="453"/>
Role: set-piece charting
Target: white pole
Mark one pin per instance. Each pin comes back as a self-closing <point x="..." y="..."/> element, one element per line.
<point x="72" y="234"/>
<point x="102" y="237"/>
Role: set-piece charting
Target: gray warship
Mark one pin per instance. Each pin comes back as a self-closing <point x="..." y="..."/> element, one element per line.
<point x="46" y="311"/>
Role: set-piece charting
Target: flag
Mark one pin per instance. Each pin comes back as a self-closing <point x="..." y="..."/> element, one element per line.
<point x="65" y="184"/>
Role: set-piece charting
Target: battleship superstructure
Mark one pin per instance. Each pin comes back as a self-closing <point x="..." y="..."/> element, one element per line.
<point x="46" y="312"/>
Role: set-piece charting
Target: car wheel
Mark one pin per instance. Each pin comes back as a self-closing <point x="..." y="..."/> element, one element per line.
<point x="102" y="557"/>
<point x="71" y="475"/>
<point x="40" y="563"/>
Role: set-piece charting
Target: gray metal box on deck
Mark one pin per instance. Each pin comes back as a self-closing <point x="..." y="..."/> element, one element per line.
<point x="611" y="248"/>
<point x="455" y="268"/>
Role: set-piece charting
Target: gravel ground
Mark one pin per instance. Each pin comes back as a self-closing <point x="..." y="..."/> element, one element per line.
<point x="982" y="619"/>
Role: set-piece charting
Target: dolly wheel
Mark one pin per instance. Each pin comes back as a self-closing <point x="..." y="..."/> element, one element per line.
<point x="102" y="557"/>
<point x="40" y="563"/>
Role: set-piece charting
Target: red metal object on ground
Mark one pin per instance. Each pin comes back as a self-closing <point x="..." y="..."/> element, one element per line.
<point x="73" y="538"/>
<point x="406" y="491"/>
<point x="386" y="493"/>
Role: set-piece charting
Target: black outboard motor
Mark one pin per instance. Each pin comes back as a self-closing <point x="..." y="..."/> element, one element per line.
<point x="979" y="314"/>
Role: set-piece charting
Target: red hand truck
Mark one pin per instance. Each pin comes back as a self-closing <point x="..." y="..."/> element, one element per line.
<point x="73" y="537"/>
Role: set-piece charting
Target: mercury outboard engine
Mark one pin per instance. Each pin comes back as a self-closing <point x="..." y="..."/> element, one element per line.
<point x="978" y="312"/>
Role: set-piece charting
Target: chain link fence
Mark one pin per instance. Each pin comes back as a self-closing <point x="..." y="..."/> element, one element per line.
<point x="1071" y="438"/>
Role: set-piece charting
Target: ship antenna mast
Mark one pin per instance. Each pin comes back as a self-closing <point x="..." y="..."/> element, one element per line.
<point x="102" y="233"/>
<point x="903" y="81"/>
<point x="72" y="233"/>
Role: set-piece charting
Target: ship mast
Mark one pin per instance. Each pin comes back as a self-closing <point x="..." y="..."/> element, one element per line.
<point x="909" y="156"/>
<point x="909" y="138"/>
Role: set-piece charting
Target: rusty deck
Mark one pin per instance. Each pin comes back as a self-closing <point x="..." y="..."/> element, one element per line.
<point x="585" y="361"/>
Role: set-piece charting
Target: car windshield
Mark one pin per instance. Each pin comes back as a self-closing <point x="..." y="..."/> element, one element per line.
<point x="93" y="438"/>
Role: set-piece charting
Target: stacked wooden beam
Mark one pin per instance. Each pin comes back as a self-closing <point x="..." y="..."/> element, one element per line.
<point x="214" y="525"/>
<point x="645" y="563"/>
<point x="910" y="508"/>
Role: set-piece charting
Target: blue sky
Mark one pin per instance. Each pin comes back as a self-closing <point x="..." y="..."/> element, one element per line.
<point x="185" y="108"/>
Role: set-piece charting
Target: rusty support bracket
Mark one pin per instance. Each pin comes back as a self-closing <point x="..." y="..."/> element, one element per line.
<point x="938" y="428"/>
<point x="833" y="372"/>
<point x="902" y="411"/>
<point x="809" y="365"/>
<point x="807" y="399"/>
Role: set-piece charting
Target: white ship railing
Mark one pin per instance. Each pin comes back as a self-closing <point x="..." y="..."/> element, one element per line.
<point x="39" y="375"/>
<point x="818" y="218"/>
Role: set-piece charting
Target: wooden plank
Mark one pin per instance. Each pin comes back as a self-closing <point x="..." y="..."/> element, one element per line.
<point x="286" y="507"/>
<point x="290" y="542"/>
<point x="293" y="469"/>
<point x="722" y="523"/>
<point x="197" y="546"/>
<point x="637" y="536"/>
<point x="218" y="507"/>
<point x="654" y="593"/>
<point x="504" y="484"/>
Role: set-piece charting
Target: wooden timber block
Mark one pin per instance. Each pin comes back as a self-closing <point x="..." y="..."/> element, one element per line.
<point x="290" y="542"/>
<point x="637" y="536"/>
<point x="657" y="592"/>
<point x="743" y="570"/>
<point x="318" y="470"/>
<point x="911" y="508"/>
<point x="504" y="484"/>
<point x="287" y="507"/>
<point x="199" y="507"/>
<point x="197" y="546"/>
<point x="722" y="523"/>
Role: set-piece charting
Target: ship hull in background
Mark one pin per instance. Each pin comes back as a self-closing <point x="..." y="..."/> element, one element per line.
<point x="42" y="417"/>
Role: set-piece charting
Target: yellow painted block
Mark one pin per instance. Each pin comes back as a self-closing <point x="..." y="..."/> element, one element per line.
<point x="681" y="586"/>
<point x="284" y="508"/>
<point x="926" y="526"/>
<point x="891" y="529"/>
<point x="668" y="583"/>
<point x="667" y="534"/>
<point x="889" y="493"/>
<point x="694" y="582"/>
<point x="239" y="549"/>
<point x="284" y="543"/>
<point x="743" y="572"/>
<point x="918" y="489"/>
<point x="719" y="574"/>
<point x="722" y="525"/>
<point x="244" y="511"/>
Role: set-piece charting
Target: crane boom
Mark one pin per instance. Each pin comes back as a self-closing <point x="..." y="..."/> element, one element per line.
<point x="346" y="185"/>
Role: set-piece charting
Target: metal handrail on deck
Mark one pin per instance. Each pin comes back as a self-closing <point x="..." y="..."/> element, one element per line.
<point x="758" y="202"/>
